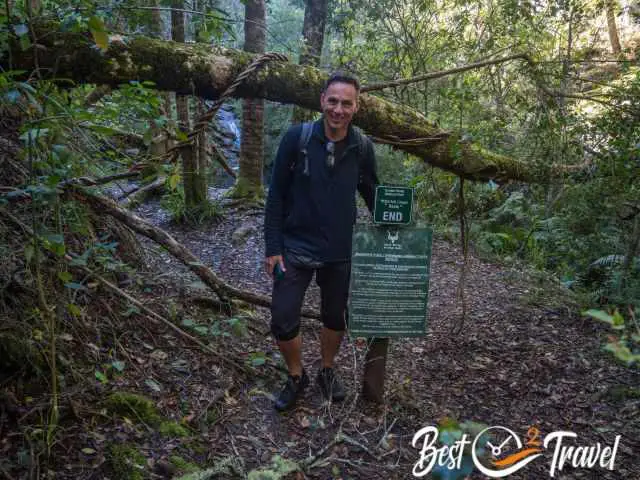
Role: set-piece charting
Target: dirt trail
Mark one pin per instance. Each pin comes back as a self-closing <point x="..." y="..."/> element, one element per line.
<point x="520" y="360"/>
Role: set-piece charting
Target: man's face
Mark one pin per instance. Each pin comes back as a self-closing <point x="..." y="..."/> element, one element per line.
<point x="339" y="104"/>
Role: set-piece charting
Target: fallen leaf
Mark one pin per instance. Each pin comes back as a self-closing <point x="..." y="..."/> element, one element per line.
<point x="304" y="421"/>
<point x="153" y="385"/>
<point x="159" y="355"/>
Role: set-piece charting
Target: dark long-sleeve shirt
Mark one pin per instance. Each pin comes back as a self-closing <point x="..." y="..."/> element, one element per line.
<point x="312" y="210"/>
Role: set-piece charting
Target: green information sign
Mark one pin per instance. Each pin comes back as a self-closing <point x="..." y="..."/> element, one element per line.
<point x="393" y="205"/>
<point x="389" y="281"/>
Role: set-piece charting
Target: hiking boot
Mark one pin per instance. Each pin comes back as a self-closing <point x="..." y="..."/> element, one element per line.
<point x="330" y="385"/>
<point x="292" y="389"/>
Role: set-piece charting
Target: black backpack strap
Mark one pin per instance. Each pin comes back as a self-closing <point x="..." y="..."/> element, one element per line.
<point x="363" y="142"/>
<point x="305" y="136"/>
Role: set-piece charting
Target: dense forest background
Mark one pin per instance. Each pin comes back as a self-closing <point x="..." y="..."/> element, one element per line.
<point x="553" y="86"/>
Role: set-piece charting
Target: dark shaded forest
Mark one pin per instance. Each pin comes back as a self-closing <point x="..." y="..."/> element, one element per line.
<point x="137" y="141"/>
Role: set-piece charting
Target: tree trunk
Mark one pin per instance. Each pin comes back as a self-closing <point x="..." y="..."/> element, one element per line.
<point x="207" y="72"/>
<point x="610" y="7"/>
<point x="195" y="192"/>
<point x="203" y="155"/>
<point x="157" y="30"/>
<point x="249" y="181"/>
<point x="157" y="25"/>
<point x="315" y="18"/>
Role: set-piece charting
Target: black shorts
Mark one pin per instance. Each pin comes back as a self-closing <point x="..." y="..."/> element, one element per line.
<point x="288" y="295"/>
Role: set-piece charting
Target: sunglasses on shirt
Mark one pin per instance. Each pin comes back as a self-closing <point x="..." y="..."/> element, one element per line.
<point x="331" y="154"/>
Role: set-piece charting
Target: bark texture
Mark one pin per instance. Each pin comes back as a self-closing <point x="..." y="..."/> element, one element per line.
<point x="249" y="181"/>
<point x="614" y="39"/>
<point x="315" y="19"/>
<point x="207" y="72"/>
<point x="193" y="178"/>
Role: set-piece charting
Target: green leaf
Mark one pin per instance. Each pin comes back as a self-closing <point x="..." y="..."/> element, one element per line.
<point x="202" y="330"/>
<point x="256" y="362"/>
<point x="66" y="277"/>
<point x="618" y="320"/>
<point x="132" y="310"/>
<point x="257" y="359"/>
<point x="101" y="39"/>
<point x="174" y="181"/>
<point x="25" y="42"/>
<point x="101" y="377"/>
<point x="31" y="136"/>
<point x="74" y="309"/>
<point x="181" y="136"/>
<point x="88" y="451"/>
<point x="599" y="315"/>
<point x="188" y="322"/>
<point x="96" y="23"/>
<point x="118" y="365"/>
<point x="99" y="32"/>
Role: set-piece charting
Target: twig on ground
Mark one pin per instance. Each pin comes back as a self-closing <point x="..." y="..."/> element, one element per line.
<point x="182" y="333"/>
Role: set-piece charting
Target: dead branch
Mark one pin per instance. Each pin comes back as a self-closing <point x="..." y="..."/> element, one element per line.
<point x="441" y="73"/>
<point x="221" y="160"/>
<point x="223" y="358"/>
<point x="138" y="195"/>
<point x="179" y="251"/>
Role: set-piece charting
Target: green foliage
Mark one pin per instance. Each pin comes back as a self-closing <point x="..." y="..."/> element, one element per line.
<point x="175" y="204"/>
<point x="127" y="462"/>
<point x="183" y="465"/>
<point x="279" y="469"/>
<point x="625" y="345"/>
<point x="135" y="407"/>
<point x="173" y="430"/>
<point x="451" y="431"/>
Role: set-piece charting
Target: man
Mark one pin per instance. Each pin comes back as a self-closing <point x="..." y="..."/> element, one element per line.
<point x="309" y="220"/>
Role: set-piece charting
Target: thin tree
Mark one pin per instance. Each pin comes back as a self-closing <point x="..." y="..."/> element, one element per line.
<point x="614" y="39"/>
<point x="249" y="182"/>
<point x="194" y="193"/>
<point x="315" y="19"/>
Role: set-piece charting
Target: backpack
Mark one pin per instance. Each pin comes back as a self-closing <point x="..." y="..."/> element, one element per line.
<point x="305" y="136"/>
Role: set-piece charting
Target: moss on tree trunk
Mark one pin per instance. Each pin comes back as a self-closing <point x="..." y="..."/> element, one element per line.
<point x="206" y="72"/>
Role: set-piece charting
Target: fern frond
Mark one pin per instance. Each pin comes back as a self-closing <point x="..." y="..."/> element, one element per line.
<point x="608" y="261"/>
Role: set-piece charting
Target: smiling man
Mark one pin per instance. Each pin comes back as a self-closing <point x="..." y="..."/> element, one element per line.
<point x="309" y="218"/>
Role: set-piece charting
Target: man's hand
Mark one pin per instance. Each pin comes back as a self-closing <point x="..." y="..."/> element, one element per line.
<point x="271" y="262"/>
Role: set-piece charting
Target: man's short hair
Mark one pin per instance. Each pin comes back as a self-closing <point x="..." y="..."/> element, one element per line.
<point x="342" y="77"/>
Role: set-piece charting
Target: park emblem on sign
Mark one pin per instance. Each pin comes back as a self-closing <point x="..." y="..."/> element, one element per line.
<point x="393" y="205"/>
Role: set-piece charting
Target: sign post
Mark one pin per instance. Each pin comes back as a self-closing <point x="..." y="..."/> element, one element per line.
<point x="389" y="281"/>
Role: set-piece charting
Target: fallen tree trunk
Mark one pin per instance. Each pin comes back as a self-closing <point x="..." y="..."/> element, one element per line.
<point x="179" y="251"/>
<point x="198" y="69"/>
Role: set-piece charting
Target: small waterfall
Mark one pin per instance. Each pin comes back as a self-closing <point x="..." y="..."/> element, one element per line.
<point x="225" y="133"/>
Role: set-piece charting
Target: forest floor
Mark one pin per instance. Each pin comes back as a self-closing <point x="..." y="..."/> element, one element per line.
<point x="524" y="358"/>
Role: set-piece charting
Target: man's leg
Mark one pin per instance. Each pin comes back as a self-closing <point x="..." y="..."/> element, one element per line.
<point x="287" y="298"/>
<point x="333" y="280"/>
<point x="329" y="344"/>
<point x="292" y="352"/>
